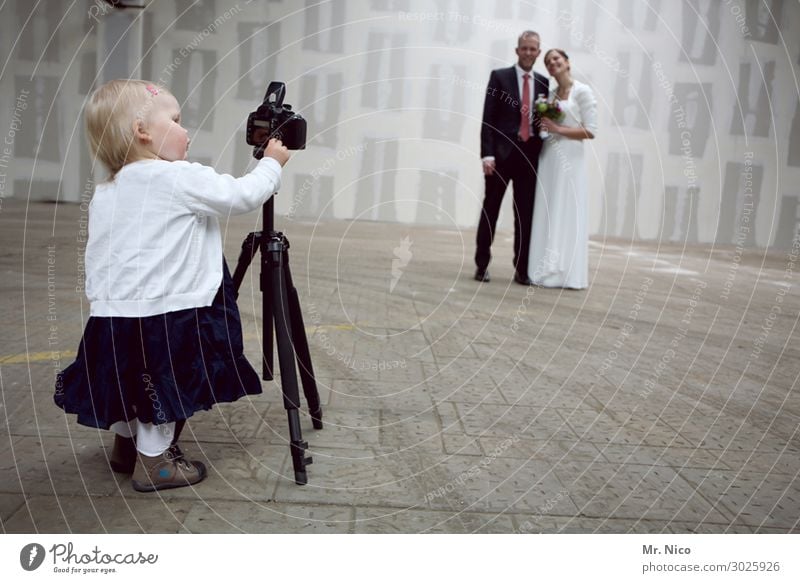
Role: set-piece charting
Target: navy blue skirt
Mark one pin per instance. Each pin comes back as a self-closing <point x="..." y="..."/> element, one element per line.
<point x="158" y="368"/>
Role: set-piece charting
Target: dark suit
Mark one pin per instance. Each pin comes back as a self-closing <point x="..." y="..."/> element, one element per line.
<point x="515" y="161"/>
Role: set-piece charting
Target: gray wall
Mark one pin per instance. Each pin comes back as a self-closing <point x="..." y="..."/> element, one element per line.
<point x="700" y="118"/>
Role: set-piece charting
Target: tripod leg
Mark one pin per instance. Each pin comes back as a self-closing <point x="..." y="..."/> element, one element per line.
<point x="267" y="316"/>
<point x="301" y="348"/>
<point x="249" y="247"/>
<point x="286" y="360"/>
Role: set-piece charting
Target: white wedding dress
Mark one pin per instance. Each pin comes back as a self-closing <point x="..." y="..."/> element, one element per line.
<point x="559" y="252"/>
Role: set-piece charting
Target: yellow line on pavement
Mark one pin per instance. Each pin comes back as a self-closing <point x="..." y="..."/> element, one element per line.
<point x="36" y="357"/>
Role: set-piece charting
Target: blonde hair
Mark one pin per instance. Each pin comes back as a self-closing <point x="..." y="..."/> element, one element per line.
<point x="111" y="113"/>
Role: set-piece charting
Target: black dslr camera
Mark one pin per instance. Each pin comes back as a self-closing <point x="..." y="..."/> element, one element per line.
<point x="274" y="119"/>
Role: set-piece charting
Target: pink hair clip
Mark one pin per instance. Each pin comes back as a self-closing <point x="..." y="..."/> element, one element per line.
<point x="152" y="89"/>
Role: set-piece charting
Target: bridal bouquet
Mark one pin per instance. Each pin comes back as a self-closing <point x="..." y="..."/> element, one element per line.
<point x="549" y="109"/>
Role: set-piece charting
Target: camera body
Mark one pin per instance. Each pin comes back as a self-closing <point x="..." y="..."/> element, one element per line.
<point x="274" y="119"/>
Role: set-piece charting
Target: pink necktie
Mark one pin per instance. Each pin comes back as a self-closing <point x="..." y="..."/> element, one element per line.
<point x="525" y="121"/>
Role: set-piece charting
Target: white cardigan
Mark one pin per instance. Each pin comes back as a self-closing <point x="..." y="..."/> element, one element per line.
<point x="154" y="238"/>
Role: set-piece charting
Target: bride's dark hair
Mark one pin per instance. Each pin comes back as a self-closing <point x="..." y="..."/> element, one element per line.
<point x="561" y="52"/>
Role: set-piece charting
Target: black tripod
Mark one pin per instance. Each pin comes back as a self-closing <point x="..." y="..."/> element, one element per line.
<point x="280" y="304"/>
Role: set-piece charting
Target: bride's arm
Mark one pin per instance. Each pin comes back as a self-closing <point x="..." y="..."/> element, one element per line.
<point x="587" y="104"/>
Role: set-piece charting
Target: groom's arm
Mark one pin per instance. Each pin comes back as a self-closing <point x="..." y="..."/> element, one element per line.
<point x="489" y="125"/>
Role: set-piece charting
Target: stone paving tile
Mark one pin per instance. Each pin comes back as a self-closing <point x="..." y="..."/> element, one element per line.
<point x="360" y="395"/>
<point x="9" y="504"/>
<point x="227" y="516"/>
<point x="632" y="397"/>
<point x="458" y="443"/>
<point x="552" y="451"/>
<point x="412" y="373"/>
<point x="354" y="477"/>
<point x="495" y="485"/>
<point x="241" y="421"/>
<point x="721" y="432"/>
<point x="30" y="413"/>
<point x="772" y="530"/>
<point x="411" y="430"/>
<point x="544" y="392"/>
<point x="455" y="375"/>
<point x="452" y="345"/>
<point x="427" y="354"/>
<point x="404" y="348"/>
<point x="480" y="330"/>
<point x="627" y="429"/>
<point x="586" y="525"/>
<point x="105" y="514"/>
<point x="771" y="500"/>
<point x="676" y="457"/>
<point x="764" y="462"/>
<point x="51" y="465"/>
<point x="450" y="417"/>
<point x="635" y="491"/>
<point x="441" y="389"/>
<point x="372" y="520"/>
<point x="505" y="421"/>
<point x="513" y="378"/>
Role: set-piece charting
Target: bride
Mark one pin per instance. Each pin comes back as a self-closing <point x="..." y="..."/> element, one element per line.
<point x="560" y="233"/>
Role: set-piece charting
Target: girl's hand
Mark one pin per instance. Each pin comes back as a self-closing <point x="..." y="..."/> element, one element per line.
<point x="551" y="126"/>
<point x="276" y="150"/>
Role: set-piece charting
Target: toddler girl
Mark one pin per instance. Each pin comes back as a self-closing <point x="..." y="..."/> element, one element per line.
<point x="164" y="337"/>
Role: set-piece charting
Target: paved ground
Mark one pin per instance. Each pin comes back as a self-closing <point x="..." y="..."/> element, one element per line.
<point x="663" y="399"/>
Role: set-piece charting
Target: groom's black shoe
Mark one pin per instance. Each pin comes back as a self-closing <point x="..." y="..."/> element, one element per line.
<point x="482" y="275"/>
<point x="522" y="279"/>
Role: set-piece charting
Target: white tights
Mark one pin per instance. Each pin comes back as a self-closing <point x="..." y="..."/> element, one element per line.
<point x="151" y="440"/>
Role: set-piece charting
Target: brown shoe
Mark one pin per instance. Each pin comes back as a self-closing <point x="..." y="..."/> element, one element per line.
<point x="123" y="455"/>
<point x="168" y="470"/>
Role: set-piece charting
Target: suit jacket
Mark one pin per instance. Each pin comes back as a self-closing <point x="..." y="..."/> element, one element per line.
<point x="501" y="113"/>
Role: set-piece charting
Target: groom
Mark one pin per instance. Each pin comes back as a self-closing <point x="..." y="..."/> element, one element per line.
<point x="510" y="148"/>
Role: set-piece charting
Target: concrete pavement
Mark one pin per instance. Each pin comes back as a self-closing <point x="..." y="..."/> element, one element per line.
<point x="662" y="399"/>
